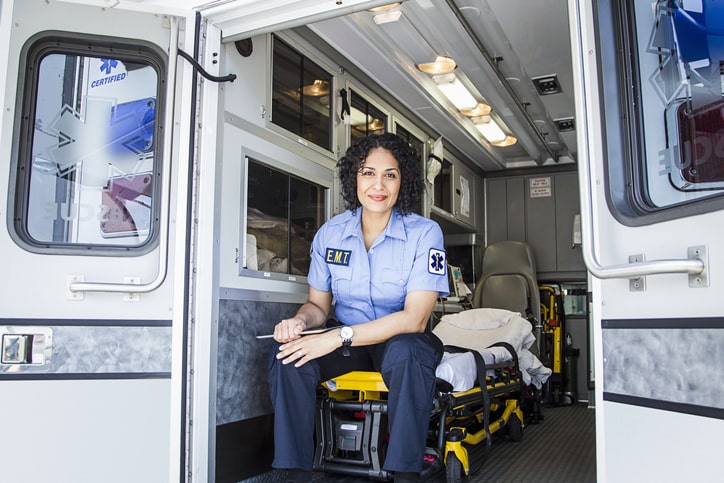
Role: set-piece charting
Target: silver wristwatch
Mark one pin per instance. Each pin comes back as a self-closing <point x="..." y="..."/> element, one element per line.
<point x="346" y="333"/>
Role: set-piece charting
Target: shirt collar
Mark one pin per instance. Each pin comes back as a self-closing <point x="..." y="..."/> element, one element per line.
<point x="395" y="227"/>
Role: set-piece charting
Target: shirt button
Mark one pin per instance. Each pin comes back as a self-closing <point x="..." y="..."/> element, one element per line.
<point x="372" y="250"/>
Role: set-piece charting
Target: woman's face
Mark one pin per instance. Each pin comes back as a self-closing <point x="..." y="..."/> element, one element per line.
<point x="378" y="181"/>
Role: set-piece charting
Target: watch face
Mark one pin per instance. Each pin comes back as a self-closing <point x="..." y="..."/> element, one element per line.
<point x="346" y="332"/>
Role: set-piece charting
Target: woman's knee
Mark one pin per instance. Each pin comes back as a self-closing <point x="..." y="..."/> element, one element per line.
<point x="406" y="348"/>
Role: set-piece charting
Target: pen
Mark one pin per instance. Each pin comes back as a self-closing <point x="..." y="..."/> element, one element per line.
<point x="306" y="332"/>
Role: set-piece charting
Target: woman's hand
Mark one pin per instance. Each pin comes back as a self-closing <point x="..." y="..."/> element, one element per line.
<point x="304" y="349"/>
<point x="289" y="329"/>
<point x="311" y="315"/>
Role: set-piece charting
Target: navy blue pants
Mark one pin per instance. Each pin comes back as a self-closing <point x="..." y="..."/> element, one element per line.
<point x="407" y="363"/>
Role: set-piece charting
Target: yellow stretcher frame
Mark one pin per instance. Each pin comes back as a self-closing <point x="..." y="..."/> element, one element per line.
<point x="553" y="333"/>
<point x="457" y="421"/>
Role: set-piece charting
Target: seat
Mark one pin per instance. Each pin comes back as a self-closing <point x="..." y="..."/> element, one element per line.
<point x="509" y="281"/>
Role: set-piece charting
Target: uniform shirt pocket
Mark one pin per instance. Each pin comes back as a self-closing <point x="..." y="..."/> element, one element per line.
<point x="393" y="287"/>
<point x="342" y="286"/>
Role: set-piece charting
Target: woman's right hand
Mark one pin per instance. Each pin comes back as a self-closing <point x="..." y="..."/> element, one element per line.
<point x="289" y="329"/>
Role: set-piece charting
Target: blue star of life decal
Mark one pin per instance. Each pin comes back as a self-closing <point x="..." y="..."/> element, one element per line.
<point x="107" y="65"/>
<point x="436" y="262"/>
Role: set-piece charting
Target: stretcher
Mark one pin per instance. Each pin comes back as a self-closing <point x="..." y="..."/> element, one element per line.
<point x="351" y="420"/>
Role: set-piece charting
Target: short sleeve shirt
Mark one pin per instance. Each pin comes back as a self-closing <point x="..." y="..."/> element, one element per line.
<point x="368" y="284"/>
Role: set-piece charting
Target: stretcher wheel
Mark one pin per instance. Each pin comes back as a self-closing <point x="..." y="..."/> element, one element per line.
<point x="515" y="428"/>
<point x="453" y="469"/>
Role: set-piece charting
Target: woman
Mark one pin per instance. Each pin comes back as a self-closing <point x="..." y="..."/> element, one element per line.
<point x="385" y="267"/>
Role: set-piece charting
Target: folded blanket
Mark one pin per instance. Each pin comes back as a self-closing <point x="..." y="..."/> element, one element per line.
<point x="481" y="328"/>
<point x="478" y="329"/>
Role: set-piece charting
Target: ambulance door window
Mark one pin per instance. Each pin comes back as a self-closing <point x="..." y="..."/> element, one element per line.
<point x="87" y="161"/>
<point x="664" y="107"/>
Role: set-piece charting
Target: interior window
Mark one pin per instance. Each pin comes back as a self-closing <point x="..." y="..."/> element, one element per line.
<point x="442" y="187"/>
<point x="283" y="214"/>
<point x="88" y="171"/>
<point x="412" y="140"/>
<point x="419" y="146"/>
<point x="665" y="111"/>
<point x="301" y="99"/>
<point x="365" y="118"/>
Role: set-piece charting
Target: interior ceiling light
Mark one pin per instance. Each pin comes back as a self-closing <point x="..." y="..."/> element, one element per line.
<point x="508" y="141"/>
<point x="481" y="109"/>
<point x="489" y="129"/>
<point x="441" y="65"/>
<point x="318" y="88"/>
<point x="384" y="8"/>
<point x="387" y="17"/>
<point x="455" y="91"/>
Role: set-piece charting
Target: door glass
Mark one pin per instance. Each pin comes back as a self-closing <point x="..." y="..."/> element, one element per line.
<point x="671" y="101"/>
<point x="684" y="62"/>
<point x="90" y="177"/>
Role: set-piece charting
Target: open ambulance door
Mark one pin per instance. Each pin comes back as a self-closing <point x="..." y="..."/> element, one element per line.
<point x="649" y="78"/>
<point x="93" y="190"/>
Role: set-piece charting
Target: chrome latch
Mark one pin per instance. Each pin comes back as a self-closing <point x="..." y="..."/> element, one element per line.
<point x="26" y="345"/>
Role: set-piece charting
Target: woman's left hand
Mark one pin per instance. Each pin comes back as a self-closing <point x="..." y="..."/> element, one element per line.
<point x="308" y="347"/>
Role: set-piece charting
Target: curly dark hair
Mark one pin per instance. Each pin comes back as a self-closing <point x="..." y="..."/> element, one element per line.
<point x="412" y="185"/>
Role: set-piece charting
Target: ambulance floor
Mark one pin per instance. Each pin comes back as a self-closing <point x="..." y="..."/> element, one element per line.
<point x="559" y="449"/>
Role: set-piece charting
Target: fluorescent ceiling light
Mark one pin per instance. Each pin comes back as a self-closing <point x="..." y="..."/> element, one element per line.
<point x="387" y="17"/>
<point x="455" y="91"/>
<point x="441" y="65"/>
<point x="489" y="129"/>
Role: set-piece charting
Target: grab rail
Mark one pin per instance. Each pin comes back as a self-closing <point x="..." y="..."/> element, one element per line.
<point x="692" y="266"/>
<point x="165" y="189"/>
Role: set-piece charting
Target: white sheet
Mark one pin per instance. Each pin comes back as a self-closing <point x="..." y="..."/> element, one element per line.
<point x="459" y="369"/>
<point x="478" y="329"/>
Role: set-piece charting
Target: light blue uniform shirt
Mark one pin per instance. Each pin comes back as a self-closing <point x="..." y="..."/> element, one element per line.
<point x="367" y="285"/>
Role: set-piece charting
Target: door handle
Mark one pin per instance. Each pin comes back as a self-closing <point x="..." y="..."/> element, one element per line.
<point x="26" y="345"/>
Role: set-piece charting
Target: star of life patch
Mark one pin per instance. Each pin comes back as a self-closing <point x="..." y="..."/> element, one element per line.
<point x="436" y="263"/>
